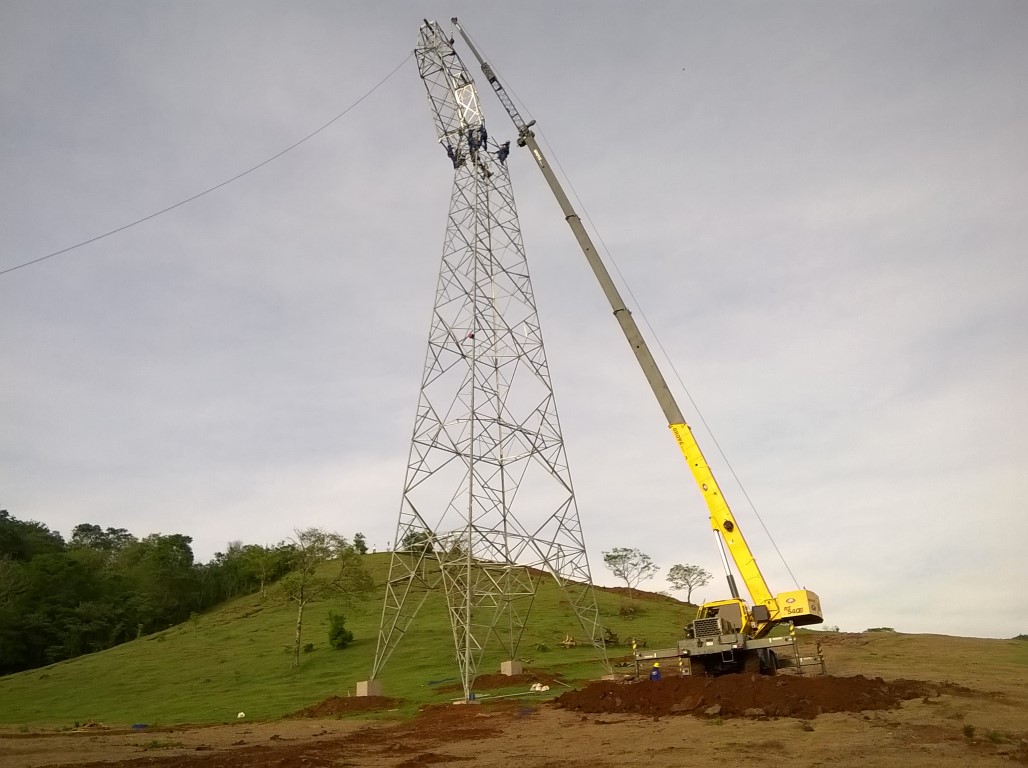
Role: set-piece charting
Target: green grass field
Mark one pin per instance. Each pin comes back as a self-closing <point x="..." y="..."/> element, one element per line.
<point x="238" y="659"/>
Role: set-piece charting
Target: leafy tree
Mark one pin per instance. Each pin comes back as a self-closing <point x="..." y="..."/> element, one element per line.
<point x="360" y="543"/>
<point x="338" y="635"/>
<point x="631" y="565"/>
<point x="14" y="642"/>
<point x="23" y="540"/>
<point x="241" y="569"/>
<point x="105" y="586"/>
<point x="267" y="564"/>
<point x="417" y="542"/>
<point x="11" y="582"/>
<point x="161" y="567"/>
<point x="89" y="536"/>
<point x="55" y="586"/>
<point x="687" y="578"/>
<point x="323" y="563"/>
<point x="225" y="576"/>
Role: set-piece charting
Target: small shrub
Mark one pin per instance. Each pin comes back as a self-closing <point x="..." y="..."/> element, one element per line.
<point x="630" y="610"/>
<point x="969" y="731"/>
<point x="879" y="629"/>
<point x="996" y="737"/>
<point x="338" y="635"/>
<point x="308" y="647"/>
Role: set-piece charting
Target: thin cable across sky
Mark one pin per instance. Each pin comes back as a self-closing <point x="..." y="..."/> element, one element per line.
<point x="198" y="195"/>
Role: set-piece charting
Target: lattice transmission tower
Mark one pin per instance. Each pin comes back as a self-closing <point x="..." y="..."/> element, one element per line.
<point x="488" y="505"/>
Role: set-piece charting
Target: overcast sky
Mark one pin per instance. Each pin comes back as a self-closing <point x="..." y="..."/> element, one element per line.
<point x="818" y="206"/>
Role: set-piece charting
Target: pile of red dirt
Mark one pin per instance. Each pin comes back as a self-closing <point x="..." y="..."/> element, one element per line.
<point x="753" y="696"/>
<point x="339" y="705"/>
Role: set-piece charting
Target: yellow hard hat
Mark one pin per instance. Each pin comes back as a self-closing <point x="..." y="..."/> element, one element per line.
<point x="656" y="663"/>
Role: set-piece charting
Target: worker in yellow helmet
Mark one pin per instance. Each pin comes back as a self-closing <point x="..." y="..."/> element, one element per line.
<point x="655" y="672"/>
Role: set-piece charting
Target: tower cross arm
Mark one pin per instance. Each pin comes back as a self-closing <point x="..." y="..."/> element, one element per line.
<point x="449" y="86"/>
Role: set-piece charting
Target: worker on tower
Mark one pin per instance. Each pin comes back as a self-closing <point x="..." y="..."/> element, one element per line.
<point x="457" y="161"/>
<point x="503" y="152"/>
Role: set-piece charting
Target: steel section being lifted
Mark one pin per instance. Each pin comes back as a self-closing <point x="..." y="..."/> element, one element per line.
<point x="488" y="505"/>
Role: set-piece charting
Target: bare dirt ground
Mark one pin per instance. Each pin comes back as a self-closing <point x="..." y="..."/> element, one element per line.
<point x="953" y="716"/>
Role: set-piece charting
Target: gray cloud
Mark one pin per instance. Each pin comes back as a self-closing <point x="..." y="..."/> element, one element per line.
<point x="818" y="206"/>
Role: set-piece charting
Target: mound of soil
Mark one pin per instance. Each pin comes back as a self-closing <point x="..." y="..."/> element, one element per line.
<point x="339" y="705"/>
<point x="744" y="696"/>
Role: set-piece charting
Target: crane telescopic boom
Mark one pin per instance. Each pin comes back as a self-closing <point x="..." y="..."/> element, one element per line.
<point x="799" y="606"/>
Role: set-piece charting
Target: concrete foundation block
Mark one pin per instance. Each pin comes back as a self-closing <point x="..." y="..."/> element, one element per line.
<point x="369" y="688"/>
<point x="511" y="668"/>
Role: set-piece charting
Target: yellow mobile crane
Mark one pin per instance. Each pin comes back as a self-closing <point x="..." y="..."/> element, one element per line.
<point x="726" y="635"/>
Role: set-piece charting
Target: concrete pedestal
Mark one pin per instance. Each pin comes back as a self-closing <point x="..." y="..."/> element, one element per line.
<point x="369" y="688"/>
<point x="511" y="668"/>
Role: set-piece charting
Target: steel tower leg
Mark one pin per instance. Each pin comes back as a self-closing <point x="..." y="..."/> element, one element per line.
<point x="488" y="504"/>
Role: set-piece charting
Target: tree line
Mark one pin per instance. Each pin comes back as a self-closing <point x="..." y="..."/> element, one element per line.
<point x="104" y="586"/>
<point x="632" y="566"/>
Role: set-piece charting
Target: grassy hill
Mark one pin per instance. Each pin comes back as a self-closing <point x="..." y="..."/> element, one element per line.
<point x="237" y="659"/>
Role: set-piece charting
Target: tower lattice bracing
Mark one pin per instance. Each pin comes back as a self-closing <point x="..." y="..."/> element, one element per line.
<point x="488" y="505"/>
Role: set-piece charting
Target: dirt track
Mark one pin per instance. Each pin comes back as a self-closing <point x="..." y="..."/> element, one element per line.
<point x="965" y="714"/>
<point x="846" y="721"/>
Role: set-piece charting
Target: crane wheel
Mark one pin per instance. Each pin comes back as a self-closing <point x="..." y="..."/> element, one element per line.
<point x="768" y="662"/>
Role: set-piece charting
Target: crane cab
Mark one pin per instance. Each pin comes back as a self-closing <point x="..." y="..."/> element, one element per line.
<point x="722" y="617"/>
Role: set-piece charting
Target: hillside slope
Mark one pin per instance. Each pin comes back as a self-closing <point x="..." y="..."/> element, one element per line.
<point x="237" y="658"/>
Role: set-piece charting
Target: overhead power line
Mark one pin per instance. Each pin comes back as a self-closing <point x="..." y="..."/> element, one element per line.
<point x="198" y="195"/>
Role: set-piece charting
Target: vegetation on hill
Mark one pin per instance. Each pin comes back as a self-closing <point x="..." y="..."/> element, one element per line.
<point x="103" y="587"/>
<point x="238" y="658"/>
